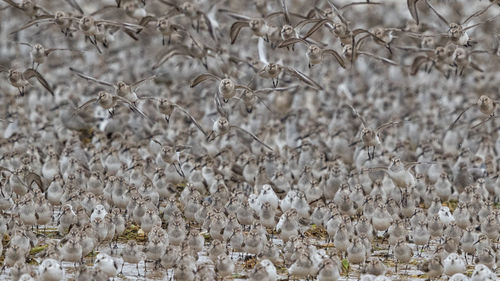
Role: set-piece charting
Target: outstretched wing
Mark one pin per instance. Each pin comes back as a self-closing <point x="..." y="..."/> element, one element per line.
<point x="306" y="79"/>
<point x="30" y="73"/>
<point x="458" y="117"/>
<point x="92" y="79"/>
<point x="386" y="125"/>
<point x="13" y="4"/>
<point x="131" y="106"/>
<point x="291" y="41"/>
<point x="203" y="77"/>
<point x="253" y="136"/>
<point x="335" y="55"/>
<point x="33" y="22"/>
<point x="417" y="62"/>
<point x="382" y="59"/>
<point x="139" y="82"/>
<point x="412" y="7"/>
<point x="235" y="30"/>
<point x="192" y="118"/>
<point x="315" y="27"/>
<point x="31" y="178"/>
<point x="357" y="114"/>
<point x="436" y="12"/>
<point x="86" y="104"/>
<point x="360" y="3"/>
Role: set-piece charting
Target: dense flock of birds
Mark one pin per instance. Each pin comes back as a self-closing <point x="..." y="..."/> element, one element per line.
<point x="257" y="140"/>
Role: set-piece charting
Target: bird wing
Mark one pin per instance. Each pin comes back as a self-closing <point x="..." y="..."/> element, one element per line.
<point x="2" y="168"/>
<point x="86" y="104"/>
<point x="30" y="73"/>
<point x="480" y="23"/>
<point x="412" y="7"/>
<point x="92" y="79"/>
<point x="163" y="57"/>
<point x="478" y="13"/>
<point x="75" y="6"/>
<point x="103" y="9"/>
<point x="315" y="27"/>
<point x="202" y="77"/>
<point x="33" y="22"/>
<point x="335" y="55"/>
<point x="285" y="11"/>
<point x="337" y="12"/>
<point x="357" y="114"/>
<point x="235" y="30"/>
<point x="252" y="135"/>
<point x="306" y="79"/>
<point x="139" y="82"/>
<point x="436" y="12"/>
<point x="192" y="118"/>
<point x="270" y="90"/>
<point x="484" y="121"/>
<point x="13" y="4"/>
<point x="386" y="125"/>
<point x="360" y="3"/>
<point x="417" y="62"/>
<point x="131" y="106"/>
<point x="25" y="44"/>
<point x="458" y="117"/>
<point x="48" y="51"/>
<point x="147" y="19"/>
<point x="382" y="59"/>
<point x="234" y="15"/>
<point x="291" y="41"/>
<point x="31" y="178"/>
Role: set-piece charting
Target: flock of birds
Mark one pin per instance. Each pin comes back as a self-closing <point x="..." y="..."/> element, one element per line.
<point x="257" y="140"/>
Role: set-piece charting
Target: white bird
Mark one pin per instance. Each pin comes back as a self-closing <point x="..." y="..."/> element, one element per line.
<point x="51" y="270"/>
<point x="482" y="273"/>
<point x="99" y="212"/>
<point x="445" y="215"/>
<point x="267" y="194"/>
<point x="286" y="203"/>
<point x="271" y="270"/>
<point x="459" y="277"/>
<point x="254" y="203"/>
<point x="27" y="277"/>
<point x="106" y="264"/>
<point x="454" y="264"/>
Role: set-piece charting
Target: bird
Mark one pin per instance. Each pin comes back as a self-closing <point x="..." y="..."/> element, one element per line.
<point x="251" y="180"/>
<point x="370" y="137"/>
<point x="39" y="53"/>
<point x="21" y="79"/>
<point x="227" y="87"/>
<point x="486" y="106"/>
<point x="122" y="89"/>
<point x="314" y="54"/>
<point x="222" y="126"/>
<point x="110" y="101"/>
<point x="51" y="270"/>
